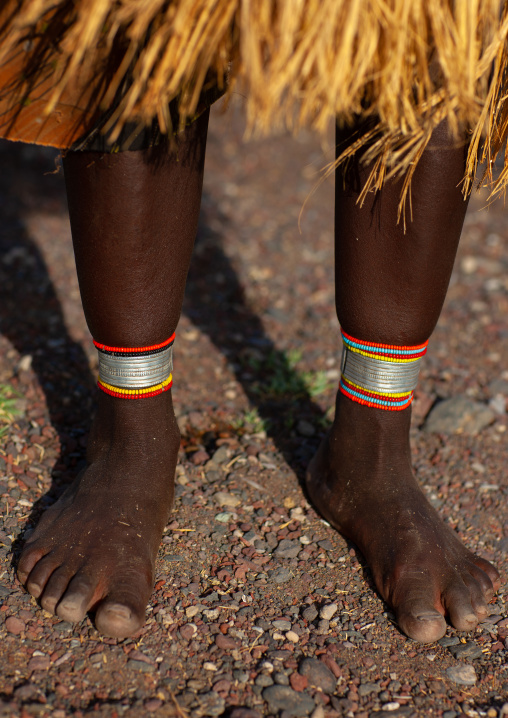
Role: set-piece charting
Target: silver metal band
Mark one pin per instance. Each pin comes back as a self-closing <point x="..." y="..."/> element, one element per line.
<point x="382" y="377"/>
<point x="132" y="372"/>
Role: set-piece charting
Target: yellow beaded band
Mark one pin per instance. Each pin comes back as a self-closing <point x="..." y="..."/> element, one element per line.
<point x="136" y="393"/>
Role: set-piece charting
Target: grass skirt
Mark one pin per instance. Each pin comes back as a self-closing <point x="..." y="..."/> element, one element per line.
<point x="403" y="66"/>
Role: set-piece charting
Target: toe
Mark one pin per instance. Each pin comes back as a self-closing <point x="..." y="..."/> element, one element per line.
<point x="77" y="599"/>
<point x="458" y="604"/>
<point x="490" y="571"/>
<point x="54" y="589"/>
<point x="421" y="622"/>
<point x="122" y="613"/>
<point x="40" y="574"/>
<point x="119" y="620"/>
<point x="30" y="556"/>
<point x="477" y="597"/>
<point x="416" y="606"/>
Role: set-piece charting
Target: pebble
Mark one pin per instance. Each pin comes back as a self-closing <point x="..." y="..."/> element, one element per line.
<point x="225" y="517"/>
<point x="284" y="698"/>
<point x="365" y="689"/>
<point x="14" y="625"/>
<point x="199" y="457"/>
<point x="292" y="636"/>
<point x="281" y="625"/>
<point x="141" y="666"/>
<point x="221" y="455"/>
<point x="463" y="674"/>
<point x="310" y="613"/>
<point x="192" y="611"/>
<point x="318" y="674"/>
<point x="188" y="630"/>
<point x="38" y="663"/>
<point x="244" y="713"/>
<point x="448" y="641"/>
<point x="281" y="575"/>
<point x="212" y="703"/>
<point x="264" y="680"/>
<point x="328" y="611"/>
<point x="224" y="499"/>
<point x="458" y="414"/>
<point x="466" y="650"/>
<point x="288" y="548"/>
<point x="225" y="642"/>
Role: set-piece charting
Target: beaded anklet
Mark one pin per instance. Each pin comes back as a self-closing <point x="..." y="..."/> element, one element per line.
<point x="382" y="376"/>
<point x="135" y="373"/>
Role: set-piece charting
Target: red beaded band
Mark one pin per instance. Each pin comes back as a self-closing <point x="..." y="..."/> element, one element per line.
<point x="415" y="348"/>
<point x="153" y="347"/>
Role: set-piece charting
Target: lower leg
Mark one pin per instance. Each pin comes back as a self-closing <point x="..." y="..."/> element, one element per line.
<point x="133" y="218"/>
<point x="390" y="289"/>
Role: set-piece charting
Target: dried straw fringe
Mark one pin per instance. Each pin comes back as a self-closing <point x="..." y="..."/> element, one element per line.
<point x="405" y="64"/>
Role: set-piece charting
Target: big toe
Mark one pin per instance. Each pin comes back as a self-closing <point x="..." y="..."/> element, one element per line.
<point x="122" y="612"/>
<point x="421" y="622"/>
<point x="118" y="619"/>
<point x="416" y="604"/>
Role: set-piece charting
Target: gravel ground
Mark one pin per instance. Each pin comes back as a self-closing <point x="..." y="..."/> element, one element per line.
<point x="260" y="608"/>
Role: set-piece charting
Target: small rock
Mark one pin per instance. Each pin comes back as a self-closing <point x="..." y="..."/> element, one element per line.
<point x="319" y="712"/>
<point x="244" y="713"/>
<point x="26" y="692"/>
<point x="264" y="680"/>
<point x="463" y="674"/>
<point x="281" y="625"/>
<point x="152" y="705"/>
<point x="298" y="682"/>
<point x="288" y="548"/>
<point x="498" y="404"/>
<point x="63" y="627"/>
<point x="466" y="650"/>
<point x="225" y="642"/>
<point x="192" y="611"/>
<point x="225" y="499"/>
<point x="224" y="518"/>
<point x="281" y="575"/>
<point x="448" y="641"/>
<point x="310" y="613"/>
<point x="212" y="703"/>
<point x="458" y="415"/>
<point x="318" y="674"/>
<point x="326" y="544"/>
<point x="138" y="666"/>
<point x="304" y="428"/>
<point x="188" y="630"/>
<point x="38" y="663"/>
<point x="284" y="698"/>
<point x="4" y="591"/>
<point x="328" y="611"/>
<point x="292" y="636"/>
<point x="199" y="457"/>
<point x="14" y="625"/>
<point x="365" y="689"/>
<point x="281" y="679"/>
<point x="221" y="455"/>
<point x="323" y="627"/>
<point x="502" y="545"/>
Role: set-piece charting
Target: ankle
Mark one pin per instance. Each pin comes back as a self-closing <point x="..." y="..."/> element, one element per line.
<point x="145" y="424"/>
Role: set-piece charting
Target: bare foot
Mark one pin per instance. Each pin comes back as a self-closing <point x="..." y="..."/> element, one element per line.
<point x="362" y="483"/>
<point x="95" y="548"/>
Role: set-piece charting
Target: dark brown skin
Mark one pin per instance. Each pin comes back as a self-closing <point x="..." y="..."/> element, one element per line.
<point x="134" y="218"/>
<point x="390" y="288"/>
